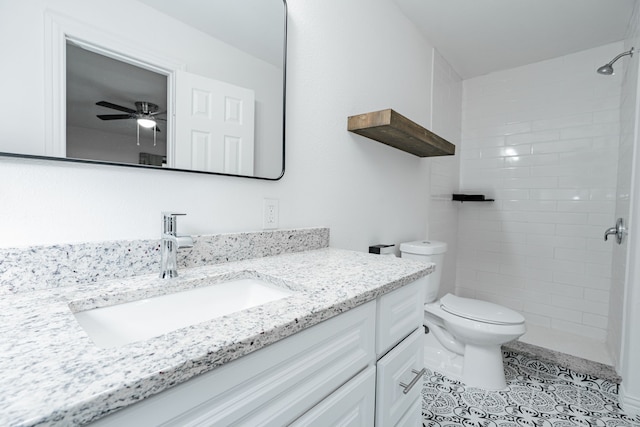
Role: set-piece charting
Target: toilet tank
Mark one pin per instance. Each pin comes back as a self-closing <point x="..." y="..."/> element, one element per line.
<point x="427" y="251"/>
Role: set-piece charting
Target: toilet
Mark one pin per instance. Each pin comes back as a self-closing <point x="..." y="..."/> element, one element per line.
<point x="464" y="335"/>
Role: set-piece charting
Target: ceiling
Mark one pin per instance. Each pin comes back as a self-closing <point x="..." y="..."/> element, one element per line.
<point x="238" y="26"/>
<point x="478" y="37"/>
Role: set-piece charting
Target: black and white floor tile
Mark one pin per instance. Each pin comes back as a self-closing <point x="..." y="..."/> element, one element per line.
<point x="539" y="394"/>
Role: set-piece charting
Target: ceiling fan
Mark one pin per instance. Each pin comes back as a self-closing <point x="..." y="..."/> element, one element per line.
<point x="145" y="113"/>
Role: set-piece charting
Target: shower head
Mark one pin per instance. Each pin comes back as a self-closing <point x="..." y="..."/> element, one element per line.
<point x="607" y="69"/>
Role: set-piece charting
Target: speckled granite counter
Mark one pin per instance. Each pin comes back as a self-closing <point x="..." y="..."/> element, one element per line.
<point x="53" y="374"/>
<point x="44" y="267"/>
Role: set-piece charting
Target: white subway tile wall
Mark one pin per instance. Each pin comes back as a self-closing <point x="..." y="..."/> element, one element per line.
<point x="543" y="141"/>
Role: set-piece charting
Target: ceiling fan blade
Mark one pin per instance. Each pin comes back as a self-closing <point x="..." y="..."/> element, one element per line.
<point x="159" y="119"/>
<point x="113" y="116"/>
<point x="115" y="107"/>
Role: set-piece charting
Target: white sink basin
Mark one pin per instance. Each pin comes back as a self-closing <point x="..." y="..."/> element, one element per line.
<point x="121" y="324"/>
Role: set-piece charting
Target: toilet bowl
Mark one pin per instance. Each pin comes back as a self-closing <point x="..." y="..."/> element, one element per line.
<point x="464" y="335"/>
<point x="476" y="330"/>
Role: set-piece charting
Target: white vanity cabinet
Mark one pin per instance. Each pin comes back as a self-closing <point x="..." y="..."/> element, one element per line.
<point x="399" y="381"/>
<point x="400" y="360"/>
<point x="399" y="364"/>
<point x="334" y="373"/>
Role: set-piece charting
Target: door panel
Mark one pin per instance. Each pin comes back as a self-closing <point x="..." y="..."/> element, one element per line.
<point x="214" y="126"/>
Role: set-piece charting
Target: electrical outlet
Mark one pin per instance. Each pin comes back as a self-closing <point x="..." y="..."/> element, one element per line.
<point x="270" y="214"/>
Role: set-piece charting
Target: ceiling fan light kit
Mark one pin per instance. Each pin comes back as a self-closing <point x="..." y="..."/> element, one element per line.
<point x="146" y="122"/>
<point x="144" y="114"/>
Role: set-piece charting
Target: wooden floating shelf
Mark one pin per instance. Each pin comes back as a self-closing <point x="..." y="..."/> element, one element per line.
<point x="391" y="128"/>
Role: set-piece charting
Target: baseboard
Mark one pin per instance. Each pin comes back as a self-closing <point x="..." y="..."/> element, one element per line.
<point x="630" y="404"/>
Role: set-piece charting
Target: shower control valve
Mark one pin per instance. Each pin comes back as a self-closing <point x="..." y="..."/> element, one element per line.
<point x="619" y="231"/>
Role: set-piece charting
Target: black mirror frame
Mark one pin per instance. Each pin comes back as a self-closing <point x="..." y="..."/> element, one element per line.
<point x="155" y="168"/>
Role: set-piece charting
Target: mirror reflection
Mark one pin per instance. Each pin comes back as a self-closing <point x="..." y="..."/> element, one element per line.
<point x="105" y="99"/>
<point x="186" y="85"/>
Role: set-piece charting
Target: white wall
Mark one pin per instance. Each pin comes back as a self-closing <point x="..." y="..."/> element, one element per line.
<point x="445" y="170"/>
<point x="345" y="58"/>
<point x="542" y="139"/>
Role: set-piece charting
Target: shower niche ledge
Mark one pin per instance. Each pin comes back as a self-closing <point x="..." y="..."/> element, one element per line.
<point x="393" y="129"/>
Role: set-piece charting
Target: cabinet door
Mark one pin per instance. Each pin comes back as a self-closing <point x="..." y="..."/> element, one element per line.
<point x="352" y="405"/>
<point x="413" y="416"/>
<point x="399" y="313"/>
<point x="398" y="380"/>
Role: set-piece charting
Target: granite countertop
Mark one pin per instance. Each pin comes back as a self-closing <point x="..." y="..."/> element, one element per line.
<point x="53" y="374"/>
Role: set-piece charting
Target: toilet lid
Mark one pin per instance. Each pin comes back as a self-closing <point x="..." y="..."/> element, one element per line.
<point x="481" y="311"/>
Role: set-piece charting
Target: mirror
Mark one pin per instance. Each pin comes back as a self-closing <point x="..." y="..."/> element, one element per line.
<point x="209" y="75"/>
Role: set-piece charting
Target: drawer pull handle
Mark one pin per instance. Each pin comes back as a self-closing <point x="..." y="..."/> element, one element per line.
<point x="419" y="374"/>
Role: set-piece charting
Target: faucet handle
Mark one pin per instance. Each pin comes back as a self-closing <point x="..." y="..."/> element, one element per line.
<point x="170" y="222"/>
<point x="169" y="213"/>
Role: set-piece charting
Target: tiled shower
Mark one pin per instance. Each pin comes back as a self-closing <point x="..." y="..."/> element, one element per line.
<point x="543" y="140"/>
<point x="553" y="143"/>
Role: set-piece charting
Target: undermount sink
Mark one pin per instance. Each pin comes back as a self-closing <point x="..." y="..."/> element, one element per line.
<point x="121" y="324"/>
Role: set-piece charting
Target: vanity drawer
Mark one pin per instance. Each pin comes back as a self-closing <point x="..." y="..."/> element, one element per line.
<point x="399" y="381"/>
<point x="352" y="404"/>
<point x="270" y="387"/>
<point x="399" y="313"/>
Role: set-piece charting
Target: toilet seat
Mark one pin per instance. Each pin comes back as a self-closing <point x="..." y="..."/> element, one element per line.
<point x="480" y="311"/>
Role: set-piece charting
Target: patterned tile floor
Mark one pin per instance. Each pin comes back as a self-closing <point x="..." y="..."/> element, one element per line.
<point x="539" y="394"/>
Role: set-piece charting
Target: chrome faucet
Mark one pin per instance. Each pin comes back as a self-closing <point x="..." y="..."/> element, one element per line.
<point x="170" y="243"/>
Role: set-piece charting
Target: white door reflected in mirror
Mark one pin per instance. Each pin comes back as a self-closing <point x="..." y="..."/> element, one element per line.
<point x="214" y="126"/>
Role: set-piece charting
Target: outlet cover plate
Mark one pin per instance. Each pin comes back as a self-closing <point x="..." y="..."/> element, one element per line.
<point x="270" y="214"/>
